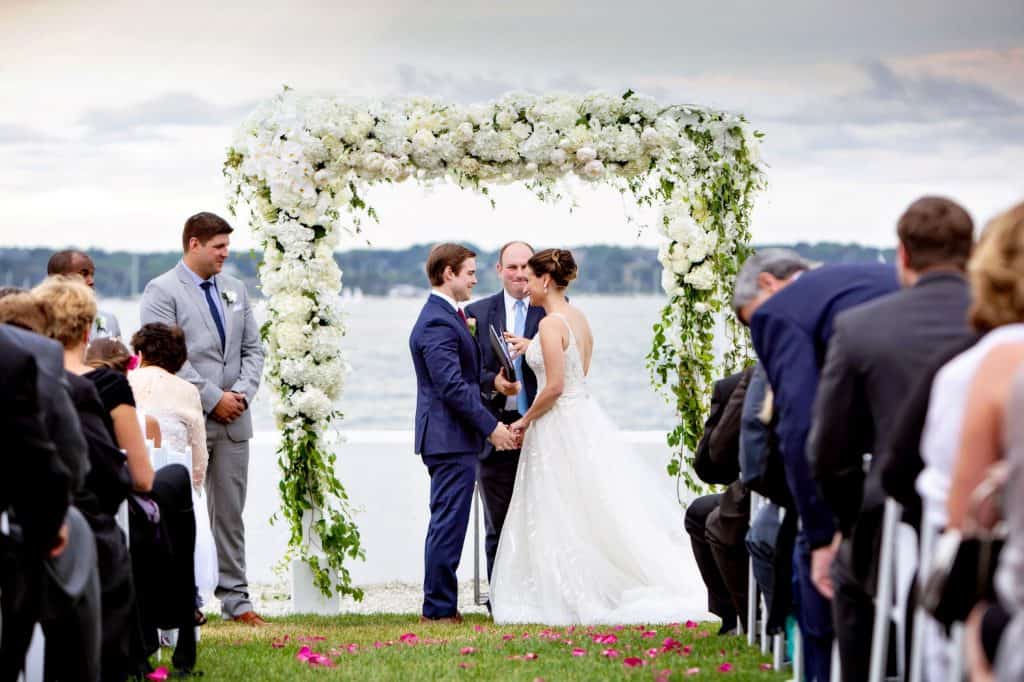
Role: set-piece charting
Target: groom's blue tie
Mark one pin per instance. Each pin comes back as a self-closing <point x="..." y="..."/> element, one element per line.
<point x="520" y="330"/>
<point x="206" y="286"/>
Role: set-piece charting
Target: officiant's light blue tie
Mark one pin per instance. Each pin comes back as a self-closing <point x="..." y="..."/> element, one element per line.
<point x="206" y="286"/>
<point x="520" y="330"/>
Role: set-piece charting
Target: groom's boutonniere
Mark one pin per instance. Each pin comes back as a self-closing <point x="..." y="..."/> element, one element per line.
<point x="101" y="324"/>
<point x="229" y="297"/>
<point x="471" y="322"/>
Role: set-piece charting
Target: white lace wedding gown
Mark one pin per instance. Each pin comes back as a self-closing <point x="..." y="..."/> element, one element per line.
<point x="590" y="537"/>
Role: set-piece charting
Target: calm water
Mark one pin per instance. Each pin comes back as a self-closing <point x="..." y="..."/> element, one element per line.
<point x="380" y="392"/>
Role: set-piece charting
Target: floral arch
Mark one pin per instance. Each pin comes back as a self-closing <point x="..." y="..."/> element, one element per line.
<point x="300" y="165"/>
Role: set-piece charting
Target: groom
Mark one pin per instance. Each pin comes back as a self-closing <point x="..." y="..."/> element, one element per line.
<point x="508" y="310"/>
<point x="451" y="421"/>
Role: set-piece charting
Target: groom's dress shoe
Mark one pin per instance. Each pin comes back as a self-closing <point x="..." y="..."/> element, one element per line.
<point x="448" y="620"/>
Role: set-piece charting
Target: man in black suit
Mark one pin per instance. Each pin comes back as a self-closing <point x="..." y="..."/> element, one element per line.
<point x="877" y="351"/>
<point x="35" y="492"/>
<point x="508" y="310"/>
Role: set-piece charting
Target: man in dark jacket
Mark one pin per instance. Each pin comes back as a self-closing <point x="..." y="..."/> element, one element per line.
<point x="877" y="350"/>
<point x="35" y="492"/>
<point x="791" y="311"/>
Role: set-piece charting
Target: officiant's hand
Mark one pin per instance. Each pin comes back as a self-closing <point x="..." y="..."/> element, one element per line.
<point x="516" y="344"/>
<point x="229" y="408"/>
<point x="506" y="387"/>
<point x="502" y="439"/>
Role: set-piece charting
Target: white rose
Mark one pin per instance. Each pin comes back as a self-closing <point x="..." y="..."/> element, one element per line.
<point x="292" y="338"/>
<point x="701" y="277"/>
<point x="521" y="130"/>
<point x="650" y="137"/>
<point x="464" y="133"/>
<point x="668" y="281"/>
<point x="594" y="169"/>
<point x="558" y="157"/>
<point x="423" y="141"/>
<point x="373" y="161"/>
<point x="392" y="170"/>
<point x="700" y="308"/>
<point x="585" y="154"/>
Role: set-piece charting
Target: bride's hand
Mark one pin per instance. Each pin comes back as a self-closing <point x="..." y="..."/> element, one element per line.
<point x="518" y="428"/>
<point x="516" y="344"/>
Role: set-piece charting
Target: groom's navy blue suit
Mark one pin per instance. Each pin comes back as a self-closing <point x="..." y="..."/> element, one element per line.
<point x="497" y="474"/>
<point x="452" y="425"/>
<point x="790" y="333"/>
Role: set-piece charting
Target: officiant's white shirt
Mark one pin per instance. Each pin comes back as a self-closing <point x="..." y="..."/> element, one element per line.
<point x="510" y="324"/>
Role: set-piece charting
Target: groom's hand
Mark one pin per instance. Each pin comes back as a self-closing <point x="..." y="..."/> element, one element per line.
<point x="506" y="387"/>
<point x="229" y="408"/>
<point x="502" y="439"/>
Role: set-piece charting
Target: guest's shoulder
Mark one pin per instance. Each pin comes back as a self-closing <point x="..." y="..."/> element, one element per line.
<point x="483" y="306"/>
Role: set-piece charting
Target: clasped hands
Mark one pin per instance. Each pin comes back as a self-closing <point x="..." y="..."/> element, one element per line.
<point x="508" y="436"/>
<point x="229" y="408"/>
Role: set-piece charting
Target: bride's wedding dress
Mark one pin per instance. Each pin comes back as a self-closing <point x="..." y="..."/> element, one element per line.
<point x="590" y="537"/>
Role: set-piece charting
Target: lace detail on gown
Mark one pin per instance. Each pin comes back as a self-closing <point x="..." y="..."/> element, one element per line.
<point x="593" y="532"/>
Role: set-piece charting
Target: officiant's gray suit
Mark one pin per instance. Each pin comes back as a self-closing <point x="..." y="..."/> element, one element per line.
<point x="175" y="297"/>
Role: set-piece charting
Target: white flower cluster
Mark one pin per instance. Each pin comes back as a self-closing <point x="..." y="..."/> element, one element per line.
<point x="299" y="162"/>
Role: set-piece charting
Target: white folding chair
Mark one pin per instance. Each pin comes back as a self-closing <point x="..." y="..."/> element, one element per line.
<point x="752" y="592"/>
<point x="929" y="534"/>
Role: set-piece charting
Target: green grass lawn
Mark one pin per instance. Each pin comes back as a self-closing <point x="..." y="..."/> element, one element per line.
<point x="398" y="647"/>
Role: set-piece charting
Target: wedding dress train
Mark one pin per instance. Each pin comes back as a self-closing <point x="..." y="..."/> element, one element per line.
<point x="590" y="536"/>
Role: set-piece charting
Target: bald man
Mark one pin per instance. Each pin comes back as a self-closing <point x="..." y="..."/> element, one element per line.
<point x="79" y="263"/>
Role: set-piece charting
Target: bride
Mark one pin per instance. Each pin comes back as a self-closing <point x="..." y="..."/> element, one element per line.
<point x="588" y="538"/>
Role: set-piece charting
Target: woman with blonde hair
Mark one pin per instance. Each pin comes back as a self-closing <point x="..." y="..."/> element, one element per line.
<point x="962" y="432"/>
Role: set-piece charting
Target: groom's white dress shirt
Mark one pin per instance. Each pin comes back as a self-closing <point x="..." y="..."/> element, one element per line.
<point x="510" y="324"/>
<point x="447" y="299"/>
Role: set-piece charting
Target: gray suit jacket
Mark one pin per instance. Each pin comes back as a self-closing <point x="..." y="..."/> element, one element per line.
<point x="110" y="328"/>
<point x="59" y="415"/>
<point x="174" y="298"/>
<point x="877" y="352"/>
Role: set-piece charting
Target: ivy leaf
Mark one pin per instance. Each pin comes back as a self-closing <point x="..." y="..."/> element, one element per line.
<point x="627" y="94"/>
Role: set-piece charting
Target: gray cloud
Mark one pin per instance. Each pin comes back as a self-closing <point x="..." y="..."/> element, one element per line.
<point x="172" y="108"/>
<point x="17" y="134"/>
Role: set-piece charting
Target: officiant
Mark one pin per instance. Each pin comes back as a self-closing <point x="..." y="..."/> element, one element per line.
<point x="508" y="310"/>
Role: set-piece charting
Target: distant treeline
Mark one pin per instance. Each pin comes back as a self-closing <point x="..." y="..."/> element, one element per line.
<point x="380" y="272"/>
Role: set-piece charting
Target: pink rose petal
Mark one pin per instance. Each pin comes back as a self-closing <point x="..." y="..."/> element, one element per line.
<point x="669" y="643"/>
<point x="725" y="668"/>
<point x="159" y="674"/>
<point x="304" y="654"/>
<point x="352" y="648"/>
<point x="610" y="653"/>
<point x="530" y="656"/>
<point x="766" y="666"/>
<point x="508" y="637"/>
<point x="478" y="628"/>
<point x="693" y="671"/>
<point x="687" y="650"/>
<point x="409" y="638"/>
<point x="617" y="628"/>
<point x="663" y="675"/>
<point x="579" y="652"/>
<point x="653" y="653"/>
<point x="647" y="634"/>
<point x="690" y="624"/>
<point x="632" y="662"/>
<point x="466" y="666"/>
<point x="467" y="650"/>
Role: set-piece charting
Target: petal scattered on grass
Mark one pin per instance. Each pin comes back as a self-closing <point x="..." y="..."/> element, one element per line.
<point x="725" y="668"/>
<point x="304" y="654"/>
<point x="467" y="650"/>
<point x="579" y="652"/>
<point x="766" y="666"/>
<point x="466" y="666"/>
<point x="653" y="653"/>
<point x="687" y="650"/>
<point x="647" y="634"/>
<point x="159" y="674"/>
<point x="409" y="638"/>
<point x="507" y="637"/>
<point x="663" y="675"/>
<point x="691" y="624"/>
<point x="632" y="662"/>
<point x="693" y="671"/>
<point x="610" y="653"/>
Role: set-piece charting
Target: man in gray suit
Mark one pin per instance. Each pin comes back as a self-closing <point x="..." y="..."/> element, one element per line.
<point x="79" y="263"/>
<point x="877" y="351"/>
<point x="225" y="359"/>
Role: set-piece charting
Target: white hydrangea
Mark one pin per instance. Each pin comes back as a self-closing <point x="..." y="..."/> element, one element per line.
<point x="701" y="277"/>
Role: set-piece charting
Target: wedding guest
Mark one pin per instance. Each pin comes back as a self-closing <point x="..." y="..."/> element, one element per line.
<point x="174" y="402"/>
<point x="997" y="311"/>
<point x="993" y="627"/>
<point x="225" y="361"/>
<point x="72" y="307"/>
<point x="163" y="545"/>
<point x="790" y="311"/>
<point x="35" y="490"/>
<point x="716" y="472"/>
<point x="72" y="262"/>
<point x="70" y="590"/>
<point x="110" y="353"/>
<point x="508" y="310"/>
<point x="876" y="350"/>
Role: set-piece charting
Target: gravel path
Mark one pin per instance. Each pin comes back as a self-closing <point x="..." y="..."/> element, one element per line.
<point x="275" y="599"/>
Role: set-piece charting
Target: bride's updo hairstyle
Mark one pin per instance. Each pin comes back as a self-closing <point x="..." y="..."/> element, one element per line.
<point x="558" y="263"/>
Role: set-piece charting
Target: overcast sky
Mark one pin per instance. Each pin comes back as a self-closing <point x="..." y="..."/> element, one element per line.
<point x="116" y="115"/>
